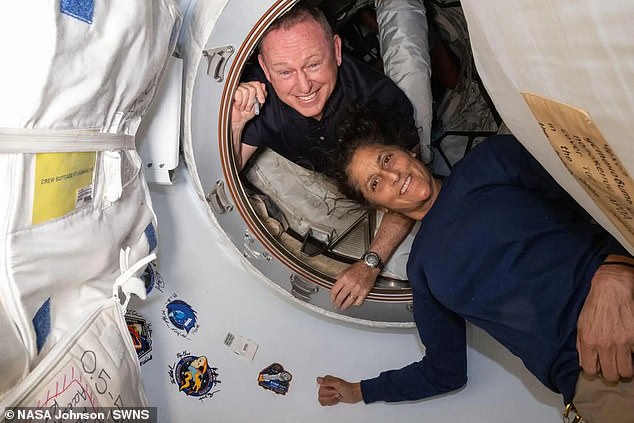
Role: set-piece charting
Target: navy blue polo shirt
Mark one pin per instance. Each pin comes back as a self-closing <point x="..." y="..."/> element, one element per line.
<point x="307" y="141"/>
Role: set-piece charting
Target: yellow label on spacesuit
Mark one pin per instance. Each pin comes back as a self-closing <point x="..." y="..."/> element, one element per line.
<point x="586" y="154"/>
<point x="63" y="183"/>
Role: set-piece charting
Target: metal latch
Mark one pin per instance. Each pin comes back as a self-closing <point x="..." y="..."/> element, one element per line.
<point x="216" y="61"/>
<point x="218" y="199"/>
<point x="301" y="288"/>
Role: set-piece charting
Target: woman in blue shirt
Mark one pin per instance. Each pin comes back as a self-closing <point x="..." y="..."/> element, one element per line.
<point x="503" y="246"/>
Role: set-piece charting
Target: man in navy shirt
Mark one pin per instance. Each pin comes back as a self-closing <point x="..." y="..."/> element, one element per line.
<point x="503" y="246"/>
<point x="304" y="84"/>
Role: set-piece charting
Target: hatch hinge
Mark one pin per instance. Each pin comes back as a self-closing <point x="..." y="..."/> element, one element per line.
<point x="217" y="59"/>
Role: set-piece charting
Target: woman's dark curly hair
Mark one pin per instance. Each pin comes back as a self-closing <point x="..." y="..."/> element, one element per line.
<point x="364" y="125"/>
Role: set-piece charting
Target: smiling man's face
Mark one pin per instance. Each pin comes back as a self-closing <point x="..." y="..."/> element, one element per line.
<point x="301" y="63"/>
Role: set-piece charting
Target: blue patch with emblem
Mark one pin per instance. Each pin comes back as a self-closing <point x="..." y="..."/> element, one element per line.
<point x="80" y="9"/>
<point x="42" y="324"/>
<point x="150" y="234"/>
<point x="182" y="315"/>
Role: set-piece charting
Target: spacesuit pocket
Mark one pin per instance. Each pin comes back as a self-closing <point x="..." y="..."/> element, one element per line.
<point x="93" y="366"/>
<point x="61" y="267"/>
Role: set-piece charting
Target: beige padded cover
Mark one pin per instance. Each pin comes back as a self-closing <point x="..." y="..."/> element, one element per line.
<point x="561" y="74"/>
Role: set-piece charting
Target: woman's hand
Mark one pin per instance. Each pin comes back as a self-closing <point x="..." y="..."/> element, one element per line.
<point x="333" y="390"/>
<point x="605" y="328"/>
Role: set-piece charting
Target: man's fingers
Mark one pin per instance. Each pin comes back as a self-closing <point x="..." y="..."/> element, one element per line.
<point x="607" y="366"/>
<point x="348" y="301"/>
<point x="588" y="358"/>
<point x="261" y="94"/>
<point x="625" y="364"/>
<point x="257" y="93"/>
<point x="341" y="295"/>
<point x="591" y="367"/>
<point x="252" y="98"/>
<point x="335" y="291"/>
<point x="237" y="99"/>
<point x="591" y="364"/>
<point x="246" y="95"/>
<point x="345" y="298"/>
<point x="359" y="301"/>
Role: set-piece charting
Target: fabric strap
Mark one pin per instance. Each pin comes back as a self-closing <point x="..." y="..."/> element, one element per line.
<point x="28" y="140"/>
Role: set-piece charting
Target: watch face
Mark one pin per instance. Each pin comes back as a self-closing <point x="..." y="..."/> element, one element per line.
<point x="371" y="259"/>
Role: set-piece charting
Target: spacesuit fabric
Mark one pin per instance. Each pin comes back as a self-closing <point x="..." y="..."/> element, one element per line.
<point x="74" y="196"/>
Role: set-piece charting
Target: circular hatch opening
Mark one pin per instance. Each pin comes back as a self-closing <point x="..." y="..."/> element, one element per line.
<point x="298" y="215"/>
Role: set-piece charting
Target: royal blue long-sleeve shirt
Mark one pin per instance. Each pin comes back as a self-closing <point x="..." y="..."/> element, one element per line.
<point x="507" y="249"/>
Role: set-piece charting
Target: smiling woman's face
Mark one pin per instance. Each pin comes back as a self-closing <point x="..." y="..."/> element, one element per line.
<point x="394" y="179"/>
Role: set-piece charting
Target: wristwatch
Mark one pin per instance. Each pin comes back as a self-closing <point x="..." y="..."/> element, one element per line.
<point x="372" y="260"/>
